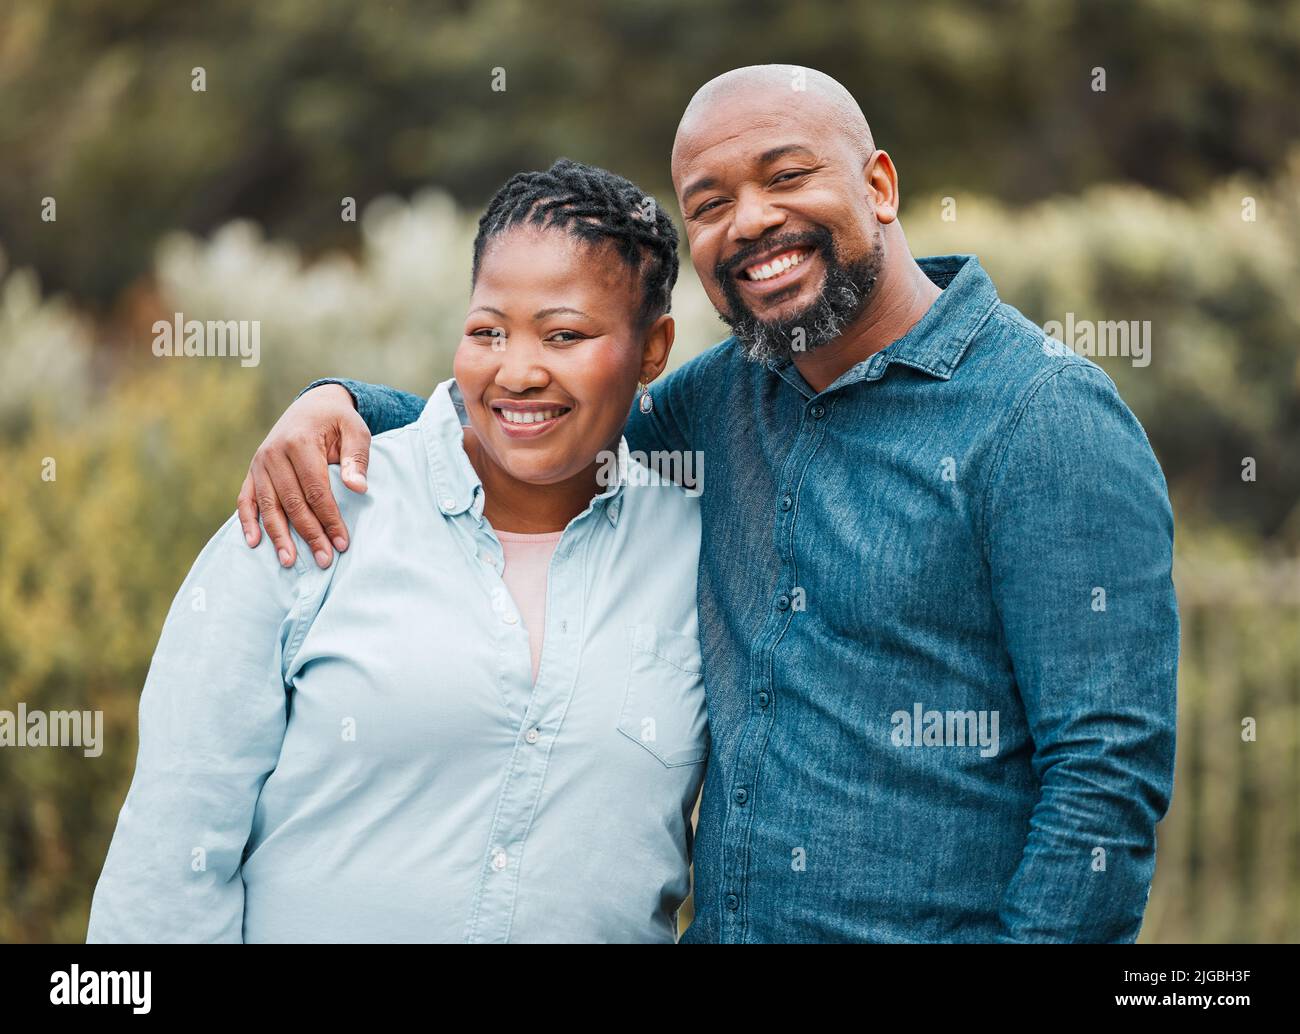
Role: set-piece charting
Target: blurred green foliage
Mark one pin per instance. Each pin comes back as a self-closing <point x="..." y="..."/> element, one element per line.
<point x="309" y="101"/>
<point x="89" y="562"/>
<point x="1125" y="205"/>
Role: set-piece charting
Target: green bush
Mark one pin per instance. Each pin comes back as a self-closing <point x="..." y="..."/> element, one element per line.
<point x="89" y="562"/>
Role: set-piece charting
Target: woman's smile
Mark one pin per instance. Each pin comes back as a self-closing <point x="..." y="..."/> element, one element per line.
<point x="532" y="419"/>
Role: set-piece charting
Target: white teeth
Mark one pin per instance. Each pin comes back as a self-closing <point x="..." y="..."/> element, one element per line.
<point x="770" y="269"/>
<point x="512" y="417"/>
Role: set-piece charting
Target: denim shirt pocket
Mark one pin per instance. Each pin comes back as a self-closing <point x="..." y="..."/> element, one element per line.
<point x="663" y="706"/>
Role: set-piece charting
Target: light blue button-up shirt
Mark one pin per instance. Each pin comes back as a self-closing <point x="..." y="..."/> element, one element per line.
<point x="360" y="753"/>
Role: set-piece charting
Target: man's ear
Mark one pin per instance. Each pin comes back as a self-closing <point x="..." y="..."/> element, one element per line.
<point x="656" y="344"/>
<point x="881" y="180"/>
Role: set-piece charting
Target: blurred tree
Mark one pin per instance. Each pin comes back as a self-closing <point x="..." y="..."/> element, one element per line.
<point x="988" y="104"/>
<point x="309" y="102"/>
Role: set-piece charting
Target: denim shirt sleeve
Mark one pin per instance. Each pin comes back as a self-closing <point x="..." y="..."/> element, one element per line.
<point x="667" y="427"/>
<point x="381" y="407"/>
<point x="670" y="425"/>
<point x="1079" y="538"/>
<point x="213" y="714"/>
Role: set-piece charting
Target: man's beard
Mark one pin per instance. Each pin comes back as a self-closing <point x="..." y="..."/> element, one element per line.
<point x="843" y="295"/>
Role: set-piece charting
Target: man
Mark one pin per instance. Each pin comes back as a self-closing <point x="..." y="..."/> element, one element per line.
<point x="939" y="631"/>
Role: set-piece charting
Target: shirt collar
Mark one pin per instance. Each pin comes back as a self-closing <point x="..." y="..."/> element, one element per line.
<point x="456" y="485"/>
<point x="610" y="500"/>
<point x="939" y="340"/>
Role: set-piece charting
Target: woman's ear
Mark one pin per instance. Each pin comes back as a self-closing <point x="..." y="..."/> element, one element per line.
<point x="656" y="344"/>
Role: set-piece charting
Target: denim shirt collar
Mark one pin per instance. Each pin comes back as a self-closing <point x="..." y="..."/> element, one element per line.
<point x="456" y="484"/>
<point x="936" y="344"/>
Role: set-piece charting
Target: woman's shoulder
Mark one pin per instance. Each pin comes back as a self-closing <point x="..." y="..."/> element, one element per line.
<point x="398" y="469"/>
<point x="663" y="502"/>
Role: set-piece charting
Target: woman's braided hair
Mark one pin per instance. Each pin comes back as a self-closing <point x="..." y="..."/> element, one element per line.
<point x="593" y="205"/>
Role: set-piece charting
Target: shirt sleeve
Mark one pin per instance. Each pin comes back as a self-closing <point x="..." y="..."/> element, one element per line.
<point x="212" y="719"/>
<point x="670" y="426"/>
<point x="1080" y="547"/>
<point x="381" y="407"/>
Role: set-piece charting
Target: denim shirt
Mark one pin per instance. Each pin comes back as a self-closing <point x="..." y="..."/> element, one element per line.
<point x="940" y="636"/>
<point x="361" y="754"/>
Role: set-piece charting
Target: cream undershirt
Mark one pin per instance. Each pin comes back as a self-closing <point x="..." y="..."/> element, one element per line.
<point x="527" y="561"/>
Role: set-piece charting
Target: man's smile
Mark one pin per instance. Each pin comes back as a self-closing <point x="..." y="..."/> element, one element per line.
<point x="775" y="265"/>
<point x="777" y="272"/>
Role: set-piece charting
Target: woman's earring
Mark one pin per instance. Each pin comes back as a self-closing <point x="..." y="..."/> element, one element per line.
<point x="647" y="402"/>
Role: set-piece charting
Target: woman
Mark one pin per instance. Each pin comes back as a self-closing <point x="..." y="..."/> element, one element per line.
<point x="495" y="734"/>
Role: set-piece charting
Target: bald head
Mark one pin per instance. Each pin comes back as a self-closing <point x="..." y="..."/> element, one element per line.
<point x="813" y="94"/>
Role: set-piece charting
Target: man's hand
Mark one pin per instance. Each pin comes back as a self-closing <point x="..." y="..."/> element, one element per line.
<point x="288" y="480"/>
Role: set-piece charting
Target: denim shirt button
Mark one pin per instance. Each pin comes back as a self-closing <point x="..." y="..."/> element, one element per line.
<point x="818" y="411"/>
<point x="786" y="502"/>
<point x="783" y="602"/>
<point x="763" y="698"/>
<point x="741" y="795"/>
<point x="733" y="902"/>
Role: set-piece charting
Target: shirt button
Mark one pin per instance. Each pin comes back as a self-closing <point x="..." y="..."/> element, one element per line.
<point x="733" y="902"/>
<point x="818" y="411"/>
<point x="499" y="860"/>
<point x="448" y="503"/>
<point x="763" y="698"/>
<point x="783" y="602"/>
<point x="741" y="795"/>
<point x="786" y="502"/>
<point x="532" y="735"/>
<point x="510" y="618"/>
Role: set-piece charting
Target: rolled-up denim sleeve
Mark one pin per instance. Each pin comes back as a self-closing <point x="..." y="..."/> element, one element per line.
<point x="212" y="719"/>
<point x="1080" y="547"/>
<point x="381" y="407"/>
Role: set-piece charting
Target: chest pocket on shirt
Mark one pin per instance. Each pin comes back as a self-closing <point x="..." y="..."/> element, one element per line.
<point x="663" y="708"/>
